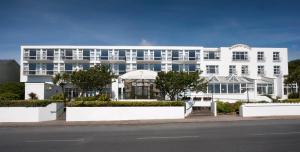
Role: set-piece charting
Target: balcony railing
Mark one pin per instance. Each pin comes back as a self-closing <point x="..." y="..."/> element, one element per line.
<point x="39" y="57"/>
<point x="39" y="72"/>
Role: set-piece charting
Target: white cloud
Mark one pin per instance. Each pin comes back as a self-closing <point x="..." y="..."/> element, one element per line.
<point x="145" y="42"/>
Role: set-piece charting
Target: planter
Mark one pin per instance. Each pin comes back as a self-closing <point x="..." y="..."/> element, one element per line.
<point x="123" y="113"/>
<point x="31" y="114"/>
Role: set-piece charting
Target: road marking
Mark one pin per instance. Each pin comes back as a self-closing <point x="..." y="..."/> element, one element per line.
<point x="55" y="140"/>
<point x="166" y="137"/>
<point x="276" y="133"/>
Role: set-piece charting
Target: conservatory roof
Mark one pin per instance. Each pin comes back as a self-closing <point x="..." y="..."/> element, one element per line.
<point x="139" y="74"/>
<point x="229" y="79"/>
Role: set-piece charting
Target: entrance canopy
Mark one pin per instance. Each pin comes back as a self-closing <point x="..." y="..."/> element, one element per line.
<point x="139" y="74"/>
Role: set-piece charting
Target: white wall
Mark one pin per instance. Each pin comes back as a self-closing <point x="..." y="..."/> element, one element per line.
<point x="31" y="114"/>
<point x="269" y="109"/>
<point x="123" y="113"/>
<point x="37" y="88"/>
<point x="42" y="90"/>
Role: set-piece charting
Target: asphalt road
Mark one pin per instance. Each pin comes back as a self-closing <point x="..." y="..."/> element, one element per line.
<point x="246" y="136"/>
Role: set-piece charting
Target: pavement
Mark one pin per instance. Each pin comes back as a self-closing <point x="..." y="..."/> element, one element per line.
<point x="261" y="135"/>
<point x="194" y="119"/>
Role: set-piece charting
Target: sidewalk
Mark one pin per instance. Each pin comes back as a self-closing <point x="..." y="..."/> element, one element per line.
<point x="220" y="118"/>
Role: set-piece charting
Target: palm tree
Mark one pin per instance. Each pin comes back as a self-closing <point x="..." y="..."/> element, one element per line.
<point x="61" y="80"/>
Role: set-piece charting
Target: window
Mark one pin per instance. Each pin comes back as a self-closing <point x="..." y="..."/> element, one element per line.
<point x="122" y="55"/>
<point x="157" y="55"/>
<point x="217" y="88"/>
<point x="192" y="67"/>
<point x="140" y="55"/>
<point x="157" y="67"/>
<point x="260" y="56"/>
<point x="265" y="88"/>
<point x="32" y="54"/>
<point x="32" y="68"/>
<point x="49" y="67"/>
<point x="68" y="67"/>
<point x="239" y="56"/>
<point x="212" y="69"/>
<point x="236" y="88"/>
<point x="104" y="55"/>
<point x="223" y="88"/>
<point x="230" y="88"/>
<point x="50" y="54"/>
<point x="192" y="55"/>
<point x="140" y="66"/>
<point x="276" y="70"/>
<point x="232" y="69"/>
<point x="260" y="70"/>
<point x="244" y="69"/>
<point x="85" y="66"/>
<point x="175" y="55"/>
<point x="276" y="56"/>
<point x="122" y="69"/>
<point x="175" y="67"/>
<point x="211" y="55"/>
<point x="86" y="54"/>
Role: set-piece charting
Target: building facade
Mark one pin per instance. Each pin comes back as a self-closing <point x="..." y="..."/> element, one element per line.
<point x="239" y="72"/>
<point x="10" y="71"/>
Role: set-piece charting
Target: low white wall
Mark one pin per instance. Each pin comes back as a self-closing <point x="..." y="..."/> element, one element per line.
<point x="269" y="109"/>
<point x="31" y="114"/>
<point x="123" y="113"/>
<point x="202" y="104"/>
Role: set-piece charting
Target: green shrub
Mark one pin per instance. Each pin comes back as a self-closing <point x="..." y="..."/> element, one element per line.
<point x="293" y="95"/>
<point x="59" y="96"/>
<point x="92" y="98"/>
<point x="225" y="107"/>
<point x="124" y="104"/>
<point x="9" y="96"/>
<point x="103" y="98"/>
<point x="26" y="103"/>
<point x="292" y="100"/>
<point x="17" y="88"/>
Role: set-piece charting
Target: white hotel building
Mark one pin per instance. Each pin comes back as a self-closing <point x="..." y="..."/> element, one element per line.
<point x="239" y="72"/>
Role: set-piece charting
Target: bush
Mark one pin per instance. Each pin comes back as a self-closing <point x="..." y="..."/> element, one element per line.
<point x="92" y="98"/>
<point x="9" y="96"/>
<point x="103" y="98"/>
<point x="26" y="103"/>
<point x="16" y="88"/>
<point x="124" y="104"/>
<point x="293" y="95"/>
<point x="292" y="100"/>
<point x="225" y="107"/>
<point x="59" y="96"/>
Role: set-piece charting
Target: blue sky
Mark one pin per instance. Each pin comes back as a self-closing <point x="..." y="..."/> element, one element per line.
<point x="208" y="23"/>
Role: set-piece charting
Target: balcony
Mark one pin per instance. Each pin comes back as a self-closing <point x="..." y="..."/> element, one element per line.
<point x="185" y="60"/>
<point x="39" y="59"/>
<point x="79" y="59"/>
<point x="39" y="72"/>
<point x="148" y="59"/>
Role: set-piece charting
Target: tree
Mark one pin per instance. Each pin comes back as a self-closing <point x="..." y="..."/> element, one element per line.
<point x="95" y="79"/>
<point x="294" y="74"/>
<point x="61" y="80"/>
<point x="172" y="83"/>
<point x="32" y="96"/>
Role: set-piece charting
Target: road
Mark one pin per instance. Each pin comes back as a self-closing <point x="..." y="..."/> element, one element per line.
<point x="246" y="136"/>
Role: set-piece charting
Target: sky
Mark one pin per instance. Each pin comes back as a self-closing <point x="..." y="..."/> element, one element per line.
<point x="207" y="23"/>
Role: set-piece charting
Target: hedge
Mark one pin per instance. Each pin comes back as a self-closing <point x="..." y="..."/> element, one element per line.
<point x="26" y="103"/>
<point x="225" y="107"/>
<point x="124" y="103"/>
<point x="297" y="100"/>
